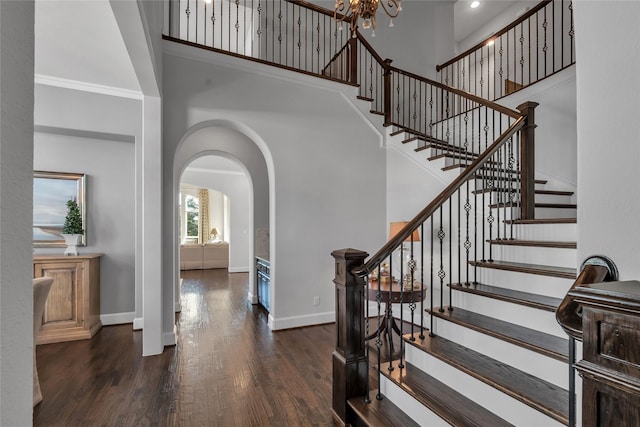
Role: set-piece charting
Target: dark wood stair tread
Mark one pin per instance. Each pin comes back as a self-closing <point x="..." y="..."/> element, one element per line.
<point x="537" y="191"/>
<point x="480" y="176"/>
<point x="542" y="221"/>
<point x="537" y="205"/>
<point x="364" y="98"/>
<point x="380" y="413"/>
<point x="530" y="390"/>
<point x="444" y="147"/>
<point x="460" y="157"/>
<point x="521" y="267"/>
<point x="397" y="132"/>
<point x="442" y="400"/>
<point x="541" y="302"/>
<point x="540" y="342"/>
<point x="535" y="243"/>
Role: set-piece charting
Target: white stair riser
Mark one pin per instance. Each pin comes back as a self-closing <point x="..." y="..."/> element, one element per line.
<point x="554" y="198"/>
<point x="410" y="406"/>
<point x="559" y="257"/>
<point x="556" y="213"/>
<point x="557" y="232"/>
<point x="540" y="320"/>
<point x="536" y="364"/>
<point x="499" y="403"/>
<point x="537" y="284"/>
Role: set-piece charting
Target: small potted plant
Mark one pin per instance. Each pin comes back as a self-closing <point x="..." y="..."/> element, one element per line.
<point x="72" y="230"/>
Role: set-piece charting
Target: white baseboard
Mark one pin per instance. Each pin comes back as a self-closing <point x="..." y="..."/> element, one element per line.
<point x="117" y="318"/>
<point x="238" y="269"/>
<point x="137" y="323"/>
<point x="299" y="321"/>
<point x="253" y="299"/>
<point x="170" y="338"/>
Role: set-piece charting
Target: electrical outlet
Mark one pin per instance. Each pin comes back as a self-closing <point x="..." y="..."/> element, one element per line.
<point x="316" y="300"/>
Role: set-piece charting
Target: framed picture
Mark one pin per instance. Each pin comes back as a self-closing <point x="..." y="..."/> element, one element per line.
<point x="51" y="191"/>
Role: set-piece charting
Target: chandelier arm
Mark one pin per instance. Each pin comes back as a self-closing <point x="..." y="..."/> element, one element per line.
<point x="338" y="14"/>
<point x="390" y="4"/>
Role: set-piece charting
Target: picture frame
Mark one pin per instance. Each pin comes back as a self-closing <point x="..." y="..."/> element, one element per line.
<point x="51" y="191"/>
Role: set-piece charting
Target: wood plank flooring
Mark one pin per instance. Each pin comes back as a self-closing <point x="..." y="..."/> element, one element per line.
<point x="228" y="369"/>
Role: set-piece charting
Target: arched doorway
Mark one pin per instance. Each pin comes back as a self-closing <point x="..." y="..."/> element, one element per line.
<point x="222" y="139"/>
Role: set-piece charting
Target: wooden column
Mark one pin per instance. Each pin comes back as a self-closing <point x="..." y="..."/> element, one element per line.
<point x="527" y="161"/>
<point x="387" y="92"/>
<point x="350" y="367"/>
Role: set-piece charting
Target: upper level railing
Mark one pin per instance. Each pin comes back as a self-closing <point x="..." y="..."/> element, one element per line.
<point x="537" y="45"/>
<point x="291" y="34"/>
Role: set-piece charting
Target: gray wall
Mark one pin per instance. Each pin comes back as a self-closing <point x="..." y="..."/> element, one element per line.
<point x="110" y="208"/>
<point x="94" y="134"/>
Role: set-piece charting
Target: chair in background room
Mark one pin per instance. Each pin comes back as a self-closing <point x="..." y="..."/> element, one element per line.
<point x="41" y="287"/>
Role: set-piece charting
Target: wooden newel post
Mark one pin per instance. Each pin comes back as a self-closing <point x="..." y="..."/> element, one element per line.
<point x="350" y="367"/>
<point x="387" y="92"/>
<point x="528" y="161"/>
<point x="353" y="60"/>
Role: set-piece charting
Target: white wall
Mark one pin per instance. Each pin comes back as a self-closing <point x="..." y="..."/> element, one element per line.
<point x="326" y="170"/>
<point x="110" y="210"/>
<point x="16" y="205"/>
<point x="510" y="13"/>
<point x="421" y="38"/>
<point x="410" y="186"/>
<point x="556" y="135"/>
<point x="237" y="189"/>
<point x="608" y="62"/>
<point x="96" y="134"/>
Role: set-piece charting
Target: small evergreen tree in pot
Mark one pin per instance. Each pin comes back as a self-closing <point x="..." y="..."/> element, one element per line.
<point x="72" y="230"/>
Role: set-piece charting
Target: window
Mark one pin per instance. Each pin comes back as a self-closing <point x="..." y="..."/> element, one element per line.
<point x="192" y="210"/>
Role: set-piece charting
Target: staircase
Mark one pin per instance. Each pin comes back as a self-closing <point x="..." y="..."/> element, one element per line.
<point x="496" y="355"/>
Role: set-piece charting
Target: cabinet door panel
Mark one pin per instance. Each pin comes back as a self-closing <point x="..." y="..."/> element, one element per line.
<point x="62" y="302"/>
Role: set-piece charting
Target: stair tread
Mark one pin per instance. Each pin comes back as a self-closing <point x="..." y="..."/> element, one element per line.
<point x="542" y="221"/>
<point x="536" y="243"/>
<point x="545" y="270"/>
<point x="504" y="178"/>
<point x="444" y="147"/>
<point x="397" y="132"/>
<point x="533" y="391"/>
<point x="540" y="342"/>
<point x="380" y="413"/>
<point x="459" y="156"/>
<point x="528" y="299"/>
<point x="537" y="191"/>
<point x="447" y="403"/>
<point x="537" y="205"/>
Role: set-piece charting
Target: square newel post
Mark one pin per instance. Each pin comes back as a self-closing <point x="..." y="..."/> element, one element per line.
<point x="387" y="92"/>
<point x="353" y="60"/>
<point x="350" y="367"/>
<point x="527" y="161"/>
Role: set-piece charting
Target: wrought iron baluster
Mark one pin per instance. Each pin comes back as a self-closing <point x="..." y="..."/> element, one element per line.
<point x="431" y="280"/>
<point x="389" y="312"/>
<point x="378" y="339"/>
<point x="545" y="47"/>
<point x="441" y="272"/>
<point x="401" y="283"/>
<point x="521" y="53"/>
<point x="422" y="290"/>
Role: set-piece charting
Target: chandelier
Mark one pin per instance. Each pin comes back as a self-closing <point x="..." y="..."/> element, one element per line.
<point x="365" y="9"/>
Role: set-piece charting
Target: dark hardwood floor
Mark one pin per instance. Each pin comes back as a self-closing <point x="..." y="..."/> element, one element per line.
<point x="228" y="369"/>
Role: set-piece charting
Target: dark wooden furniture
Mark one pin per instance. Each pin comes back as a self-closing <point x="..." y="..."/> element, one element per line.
<point x="611" y="353"/>
<point x="396" y="295"/>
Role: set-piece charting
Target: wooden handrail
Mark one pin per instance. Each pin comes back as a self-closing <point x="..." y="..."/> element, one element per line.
<point x="594" y="269"/>
<point x="506" y="29"/>
<point x="316" y="8"/>
<point x="431" y="208"/>
<point x="502" y="109"/>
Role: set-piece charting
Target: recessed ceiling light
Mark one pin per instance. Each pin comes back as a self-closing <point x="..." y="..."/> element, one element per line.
<point x="475" y="4"/>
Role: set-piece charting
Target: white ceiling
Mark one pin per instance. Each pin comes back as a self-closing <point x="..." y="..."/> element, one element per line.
<point x="468" y="21"/>
<point x="80" y="41"/>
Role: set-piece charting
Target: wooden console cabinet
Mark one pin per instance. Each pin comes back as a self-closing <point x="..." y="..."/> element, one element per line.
<point x="72" y="311"/>
<point x="610" y="368"/>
